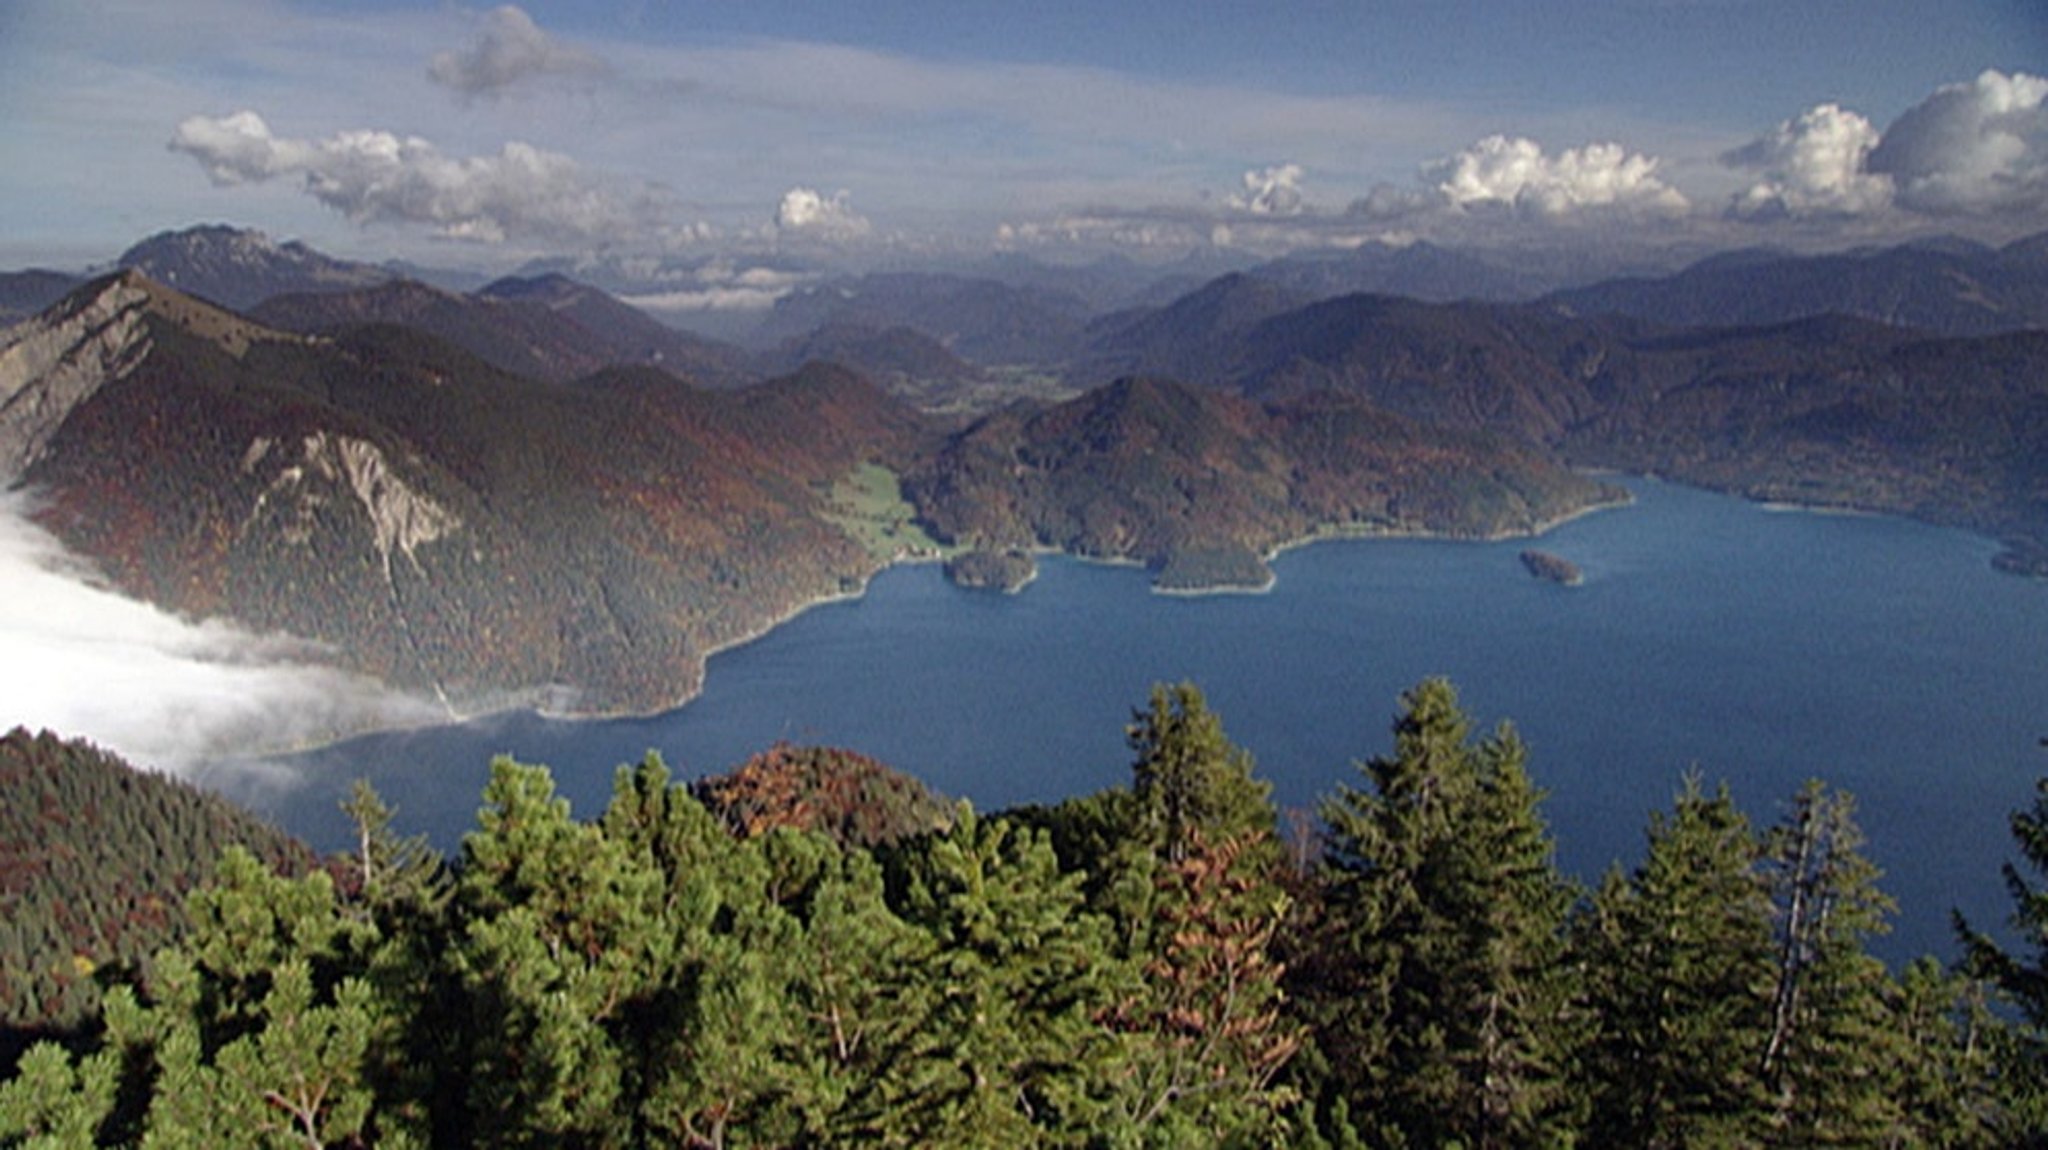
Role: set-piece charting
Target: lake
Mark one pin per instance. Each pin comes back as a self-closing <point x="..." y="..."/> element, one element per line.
<point x="1757" y="646"/>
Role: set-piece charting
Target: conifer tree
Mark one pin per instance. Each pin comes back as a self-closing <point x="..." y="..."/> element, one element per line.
<point x="1189" y="778"/>
<point x="1677" y="972"/>
<point x="1833" y="1055"/>
<point x="401" y="891"/>
<point x="2021" y="979"/>
<point x="558" y="942"/>
<point x="262" y="1029"/>
<point x="1948" y="1080"/>
<point x="1440" y="997"/>
<point x="1006" y="1049"/>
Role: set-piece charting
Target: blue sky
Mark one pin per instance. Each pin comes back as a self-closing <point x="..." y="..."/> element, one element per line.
<point x="484" y="136"/>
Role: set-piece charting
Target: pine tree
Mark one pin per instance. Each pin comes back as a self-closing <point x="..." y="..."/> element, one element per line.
<point x="1005" y="1049"/>
<point x="1440" y="997"/>
<point x="558" y="944"/>
<point x="401" y="890"/>
<point x="261" y="1033"/>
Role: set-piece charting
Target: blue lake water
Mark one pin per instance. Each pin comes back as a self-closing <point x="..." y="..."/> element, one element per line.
<point x="1758" y="647"/>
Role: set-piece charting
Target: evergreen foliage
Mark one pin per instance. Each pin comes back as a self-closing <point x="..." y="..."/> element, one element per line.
<point x="1136" y="968"/>
<point x="1439" y="994"/>
<point x="2021" y="979"/>
<point x="1676" y="961"/>
<point x="95" y="862"/>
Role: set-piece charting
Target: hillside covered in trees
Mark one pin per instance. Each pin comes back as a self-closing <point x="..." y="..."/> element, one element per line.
<point x="1153" y="965"/>
<point x="96" y="859"/>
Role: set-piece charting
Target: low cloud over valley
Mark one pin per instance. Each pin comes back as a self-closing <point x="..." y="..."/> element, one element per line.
<point x="85" y="661"/>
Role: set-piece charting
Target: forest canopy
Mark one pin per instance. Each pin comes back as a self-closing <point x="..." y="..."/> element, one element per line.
<point x="1157" y="964"/>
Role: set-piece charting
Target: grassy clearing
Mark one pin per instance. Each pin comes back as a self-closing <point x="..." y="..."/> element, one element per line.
<point x="868" y="505"/>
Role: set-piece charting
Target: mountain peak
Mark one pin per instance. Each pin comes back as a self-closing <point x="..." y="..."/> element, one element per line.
<point x="239" y="267"/>
<point x="100" y="332"/>
<point x="52" y="363"/>
<point x="547" y="286"/>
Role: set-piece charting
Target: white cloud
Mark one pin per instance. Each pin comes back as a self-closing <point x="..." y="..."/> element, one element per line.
<point x="1516" y="173"/>
<point x="86" y="662"/>
<point x="510" y="49"/>
<point x="378" y="177"/>
<point x="1274" y="191"/>
<point x="1974" y="149"/>
<point x="721" y="286"/>
<point x="1979" y="147"/>
<point x="1814" y="164"/>
<point x="805" y="211"/>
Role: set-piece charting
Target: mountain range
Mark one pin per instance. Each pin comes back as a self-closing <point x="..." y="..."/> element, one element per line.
<point x="533" y="493"/>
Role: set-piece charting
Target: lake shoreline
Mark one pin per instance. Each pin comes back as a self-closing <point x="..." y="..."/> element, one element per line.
<point x="535" y="700"/>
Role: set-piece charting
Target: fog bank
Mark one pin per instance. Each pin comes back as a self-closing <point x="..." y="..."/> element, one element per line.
<point x="85" y="661"/>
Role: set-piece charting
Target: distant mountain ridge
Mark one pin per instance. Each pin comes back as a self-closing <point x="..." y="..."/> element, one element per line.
<point x="24" y="293"/>
<point x="1951" y="289"/>
<point x="552" y="328"/>
<point x="982" y="320"/>
<point x="1830" y="409"/>
<point x="238" y="268"/>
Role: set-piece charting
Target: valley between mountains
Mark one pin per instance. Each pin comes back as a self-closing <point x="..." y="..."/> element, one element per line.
<point x="532" y="493"/>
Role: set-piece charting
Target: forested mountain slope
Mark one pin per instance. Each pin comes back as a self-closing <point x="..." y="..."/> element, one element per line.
<point x="449" y="527"/>
<point x="1832" y="410"/>
<point x="96" y="859"/>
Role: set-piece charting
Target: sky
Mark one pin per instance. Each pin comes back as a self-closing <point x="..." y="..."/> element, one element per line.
<point x="722" y="133"/>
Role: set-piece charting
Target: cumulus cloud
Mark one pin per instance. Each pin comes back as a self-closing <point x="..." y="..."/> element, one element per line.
<point x="1971" y="148"/>
<point x="509" y="49"/>
<point x="86" y="662"/>
<point x="807" y="212"/>
<point x="1500" y="171"/>
<point x="1813" y="164"/>
<point x="1979" y="148"/>
<point x="378" y="177"/>
<point x="1274" y="191"/>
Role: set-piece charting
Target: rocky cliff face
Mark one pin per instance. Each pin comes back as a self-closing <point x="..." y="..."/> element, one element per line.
<point x="50" y="365"/>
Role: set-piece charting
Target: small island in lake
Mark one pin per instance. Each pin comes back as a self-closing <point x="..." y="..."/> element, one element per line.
<point x="1210" y="570"/>
<point x="1005" y="571"/>
<point x="1556" y="568"/>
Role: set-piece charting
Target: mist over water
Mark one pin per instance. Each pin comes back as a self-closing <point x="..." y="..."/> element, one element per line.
<point x="87" y="662"/>
<point x="1762" y="649"/>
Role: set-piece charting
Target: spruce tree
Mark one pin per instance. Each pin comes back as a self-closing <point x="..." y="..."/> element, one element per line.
<point x="1833" y="1056"/>
<point x="1677" y="976"/>
<point x="1440" y="996"/>
<point x="2021" y="979"/>
<point x="1189" y="778"/>
<point x="1948" y="1081"/>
